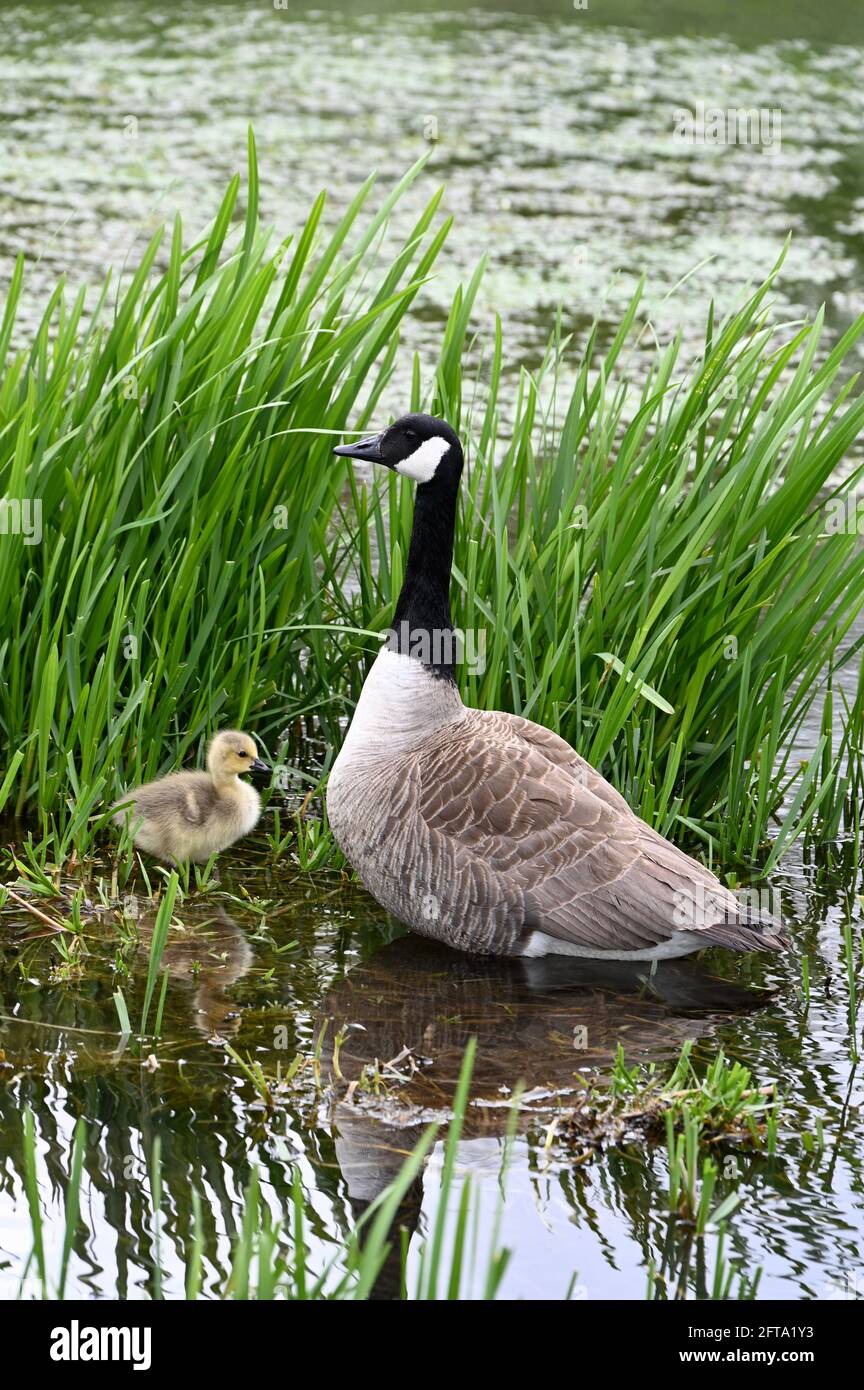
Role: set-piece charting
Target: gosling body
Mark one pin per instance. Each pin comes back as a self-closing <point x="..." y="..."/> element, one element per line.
<point x="480" y="828"/>
<point x="194" y="815"/>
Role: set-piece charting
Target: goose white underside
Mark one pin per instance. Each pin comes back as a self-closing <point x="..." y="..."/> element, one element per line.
<point x="401" y="704"/>
<point x="681" y="943"/>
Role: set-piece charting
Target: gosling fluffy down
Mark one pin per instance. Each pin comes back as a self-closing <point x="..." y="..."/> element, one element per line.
<point x="193" y="815"/>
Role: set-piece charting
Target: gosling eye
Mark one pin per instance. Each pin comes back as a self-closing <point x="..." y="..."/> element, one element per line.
<point x="242" y="755"/>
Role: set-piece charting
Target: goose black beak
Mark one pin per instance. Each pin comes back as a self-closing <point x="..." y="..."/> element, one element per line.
<point x="369" y="450"/>
<point x="257" y="765"/>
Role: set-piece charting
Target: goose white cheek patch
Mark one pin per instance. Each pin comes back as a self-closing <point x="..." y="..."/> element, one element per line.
<point x="422" y="463"/>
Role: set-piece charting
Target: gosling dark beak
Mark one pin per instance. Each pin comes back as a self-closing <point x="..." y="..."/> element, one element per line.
<point x="369" y="450"/>
<point x="257" y="765"/>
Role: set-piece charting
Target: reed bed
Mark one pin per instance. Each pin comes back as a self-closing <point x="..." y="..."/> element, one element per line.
<point x="654" y="571"/>
<point x="173" y="443"/>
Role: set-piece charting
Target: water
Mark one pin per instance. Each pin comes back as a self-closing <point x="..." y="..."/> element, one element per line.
<point x="554" y="135"/>
<point x="555" y="141"/>
<point x="267" y="959"/>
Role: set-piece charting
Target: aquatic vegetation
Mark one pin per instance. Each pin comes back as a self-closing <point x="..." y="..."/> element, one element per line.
<point x="728" y="1281"/>
<point x="73" y="1207"/>
<point x="268" y="1088"/>
<point x="721" y="1104"/>
<point x="177" y="443"/>
<point x="659" y="576"/>
<point x="270" y="1258"/>
<point x="852" y="973"/>
<point x="691" y="1186"/>
<point x="157" y="949"/>
<point x="267" y="1060"/>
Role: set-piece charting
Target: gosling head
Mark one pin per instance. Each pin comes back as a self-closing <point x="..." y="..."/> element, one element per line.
<point x="417" y="446"/>
<point x="230" y="753"/>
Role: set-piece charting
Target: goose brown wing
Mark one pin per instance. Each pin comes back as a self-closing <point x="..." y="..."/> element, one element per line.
<point x="519" y="818"/>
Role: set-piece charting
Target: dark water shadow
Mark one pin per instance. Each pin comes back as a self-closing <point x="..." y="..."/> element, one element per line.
<point x="400" y="1023"/>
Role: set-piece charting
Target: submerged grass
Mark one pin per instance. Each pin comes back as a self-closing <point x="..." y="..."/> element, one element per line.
<point x="657" y="574"/>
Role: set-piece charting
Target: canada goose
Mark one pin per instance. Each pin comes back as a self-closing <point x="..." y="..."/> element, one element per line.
<point x="483" y="829"/>
<point x="191" y="815"/>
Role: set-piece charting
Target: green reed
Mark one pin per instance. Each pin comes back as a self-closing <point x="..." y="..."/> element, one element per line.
<point x="660" y="573"/>
<point x="657" y="570"/>
<point x="179" y="447"/>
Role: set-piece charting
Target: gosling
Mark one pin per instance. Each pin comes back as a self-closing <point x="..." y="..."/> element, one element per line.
<point x="193" y="815"/>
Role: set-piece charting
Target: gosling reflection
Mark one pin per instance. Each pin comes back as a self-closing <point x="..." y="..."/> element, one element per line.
<point x="209" y="955"/>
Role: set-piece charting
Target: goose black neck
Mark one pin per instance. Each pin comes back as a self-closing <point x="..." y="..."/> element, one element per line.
<point x="422" y="623"/>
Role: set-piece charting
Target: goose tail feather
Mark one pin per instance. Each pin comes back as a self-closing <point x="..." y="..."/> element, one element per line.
<point x="750" y="930"/>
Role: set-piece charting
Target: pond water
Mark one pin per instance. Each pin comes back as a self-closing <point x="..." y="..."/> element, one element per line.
<point x="555" y="138"/>
<point x="554" y="132"/>
<point x="268" y="958"/>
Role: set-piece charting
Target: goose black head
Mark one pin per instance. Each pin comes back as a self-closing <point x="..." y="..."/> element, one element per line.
<point x="417" y="446"/>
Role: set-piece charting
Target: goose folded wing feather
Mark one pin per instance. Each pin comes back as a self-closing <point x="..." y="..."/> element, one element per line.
<point x="539" y="836"/>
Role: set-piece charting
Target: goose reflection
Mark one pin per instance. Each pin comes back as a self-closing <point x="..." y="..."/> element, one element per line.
<point x="405" y="1017"/>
